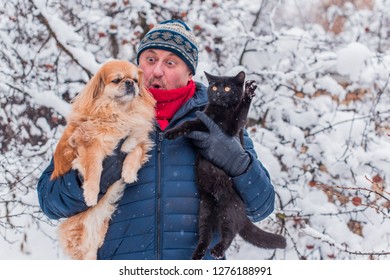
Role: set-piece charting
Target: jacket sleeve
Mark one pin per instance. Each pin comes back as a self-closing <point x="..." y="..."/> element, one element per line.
<point x="255" y="187"/>
<point x="62" y="197"/>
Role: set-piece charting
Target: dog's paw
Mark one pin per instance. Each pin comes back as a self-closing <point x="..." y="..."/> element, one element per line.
<point x="91" y="191"/>
<point x="250" y="87"/>
<point x="129" y="175"/>
<point x="90" y="198"/>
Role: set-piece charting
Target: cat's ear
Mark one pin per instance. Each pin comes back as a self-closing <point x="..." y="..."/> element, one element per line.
<point x="209" y="77"/>
<point x="241" y="77"/>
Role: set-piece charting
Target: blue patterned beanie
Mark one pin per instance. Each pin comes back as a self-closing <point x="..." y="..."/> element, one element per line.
<point x="174" y="36"/>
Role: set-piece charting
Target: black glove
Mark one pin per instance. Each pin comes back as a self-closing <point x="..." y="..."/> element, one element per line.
<point x="112" y="168"/>
<point x="219" y="148"/>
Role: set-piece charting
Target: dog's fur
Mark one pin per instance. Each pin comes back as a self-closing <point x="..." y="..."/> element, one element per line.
<point x="113" y="105"/>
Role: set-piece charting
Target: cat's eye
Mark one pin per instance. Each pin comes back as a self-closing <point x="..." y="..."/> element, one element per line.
<point x="214" y="88"/>
<point x="226" y="89"/>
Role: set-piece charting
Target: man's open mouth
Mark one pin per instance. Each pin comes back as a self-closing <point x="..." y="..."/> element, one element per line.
<point x="156" y="86"/>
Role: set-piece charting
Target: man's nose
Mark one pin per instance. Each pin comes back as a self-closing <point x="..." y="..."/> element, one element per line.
<point x="158" y="70"/>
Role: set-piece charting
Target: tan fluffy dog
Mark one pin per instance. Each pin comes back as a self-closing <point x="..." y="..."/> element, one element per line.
<point x="113" y="105"/>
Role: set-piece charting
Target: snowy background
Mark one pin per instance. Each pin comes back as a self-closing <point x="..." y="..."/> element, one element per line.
<point x="320" y="120"/>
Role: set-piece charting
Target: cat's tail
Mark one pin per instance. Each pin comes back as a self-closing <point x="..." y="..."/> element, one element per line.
<point x="261" y="238"/>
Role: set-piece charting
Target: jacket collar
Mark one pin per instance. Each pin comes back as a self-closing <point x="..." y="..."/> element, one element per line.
<point x="196" y="103"/>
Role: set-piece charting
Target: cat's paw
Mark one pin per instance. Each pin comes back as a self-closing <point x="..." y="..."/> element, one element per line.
<point x="198" y="255"/>
<point x="218" y="252"/>
<point x="250" y="87"/>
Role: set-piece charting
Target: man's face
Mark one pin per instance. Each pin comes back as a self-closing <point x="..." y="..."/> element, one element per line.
<point x="163" y="69"/>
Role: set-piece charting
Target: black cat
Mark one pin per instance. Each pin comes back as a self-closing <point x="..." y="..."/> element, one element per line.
<point x="221" y="208"/>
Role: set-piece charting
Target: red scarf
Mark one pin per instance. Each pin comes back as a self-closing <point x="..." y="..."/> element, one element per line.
<point x="169" y="101"/>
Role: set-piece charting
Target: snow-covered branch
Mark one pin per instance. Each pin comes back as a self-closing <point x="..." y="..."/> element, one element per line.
<point x="64" y="35"/>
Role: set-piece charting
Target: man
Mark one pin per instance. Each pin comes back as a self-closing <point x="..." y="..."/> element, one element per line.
<point x="157" y="216"/>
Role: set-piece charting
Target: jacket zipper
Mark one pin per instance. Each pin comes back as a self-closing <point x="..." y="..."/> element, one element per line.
<point x="158" y="194"/>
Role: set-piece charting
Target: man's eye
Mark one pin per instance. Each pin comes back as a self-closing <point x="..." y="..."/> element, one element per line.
<point x="171" y="63"/>
<point x="226" y="89"/>
<point x="150" y="59"/>
<point x="116" y="81"/>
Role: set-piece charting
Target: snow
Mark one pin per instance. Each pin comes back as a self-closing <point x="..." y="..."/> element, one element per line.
<point x="351" y="60"/>
<point x="67" y="37"/>
<point x="320" y="118"/>
<point x="50" y="100"/>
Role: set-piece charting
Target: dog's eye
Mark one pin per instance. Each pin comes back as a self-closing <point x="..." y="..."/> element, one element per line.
<point x="135" y="81"/>
<point x="116" y="81"/>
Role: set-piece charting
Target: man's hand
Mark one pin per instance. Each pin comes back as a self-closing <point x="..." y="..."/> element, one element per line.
<point x="219" y="148"/>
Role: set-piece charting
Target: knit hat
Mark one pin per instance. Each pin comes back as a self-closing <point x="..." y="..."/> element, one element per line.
<point x="174" y="36"/>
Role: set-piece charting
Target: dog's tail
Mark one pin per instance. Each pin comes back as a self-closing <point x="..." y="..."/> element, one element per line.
<point x="261" y="238"/>
<point x="81" y="235"/>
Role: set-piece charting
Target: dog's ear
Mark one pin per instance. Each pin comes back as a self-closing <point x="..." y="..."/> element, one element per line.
<point x="84" y="100"/>
<point x="144" y="92"/>
<point x="141" y="86"/>
<point x="140" y="78"/>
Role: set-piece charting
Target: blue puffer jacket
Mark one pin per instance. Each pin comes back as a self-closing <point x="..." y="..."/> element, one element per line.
<point x="157" y="216"/>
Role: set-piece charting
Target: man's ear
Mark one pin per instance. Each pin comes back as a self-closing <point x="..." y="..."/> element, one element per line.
<point x="190" y="75"/>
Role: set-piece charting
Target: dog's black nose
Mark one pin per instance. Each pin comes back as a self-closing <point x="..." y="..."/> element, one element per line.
<point x="129" y="87"/>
